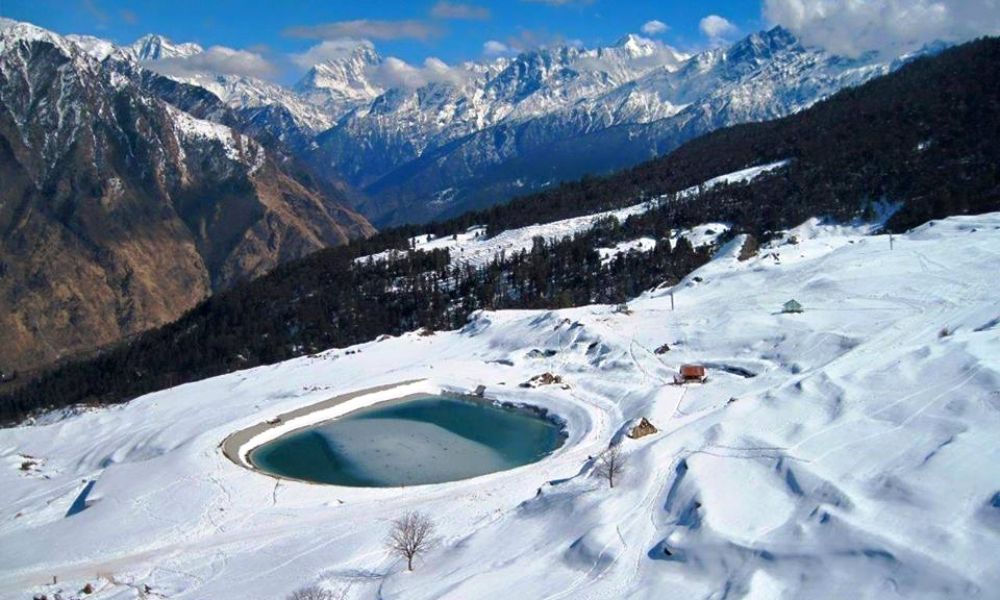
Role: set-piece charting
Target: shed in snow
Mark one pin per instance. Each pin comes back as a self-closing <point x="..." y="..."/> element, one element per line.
<point x="791" y="307"/>
<point x="691" y="373"/>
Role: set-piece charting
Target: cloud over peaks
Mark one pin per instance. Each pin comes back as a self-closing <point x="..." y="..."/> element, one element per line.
<point x="654" y="27"/>
<point x="851" y="27"/>
<point x="367" y="29"/>
<point x="216" y="60"/>
<point x="497" y="48"/>
<point x="396" y="73"/>
<point x="715" y="27"/>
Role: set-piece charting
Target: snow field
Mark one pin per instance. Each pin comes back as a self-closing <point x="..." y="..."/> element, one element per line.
<point x="848" y="451"/>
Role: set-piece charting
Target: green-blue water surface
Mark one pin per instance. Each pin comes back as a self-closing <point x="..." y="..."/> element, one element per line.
<point x="430" y="439"/>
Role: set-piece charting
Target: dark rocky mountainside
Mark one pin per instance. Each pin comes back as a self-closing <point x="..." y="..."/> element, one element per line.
<point x="119" y="212"/>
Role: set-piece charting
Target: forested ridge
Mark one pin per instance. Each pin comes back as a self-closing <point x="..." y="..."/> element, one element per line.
<point x="926" y="136"/>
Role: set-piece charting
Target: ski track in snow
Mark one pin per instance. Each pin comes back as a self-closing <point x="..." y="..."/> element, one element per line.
<point x="860" y="460"/>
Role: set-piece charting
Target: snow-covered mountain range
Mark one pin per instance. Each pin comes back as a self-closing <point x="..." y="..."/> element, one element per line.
<point x="438" y="140"/>
<point x="557" y="114"/>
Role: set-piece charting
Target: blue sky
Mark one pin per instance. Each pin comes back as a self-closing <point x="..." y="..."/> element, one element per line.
<point x="274" y="38"/>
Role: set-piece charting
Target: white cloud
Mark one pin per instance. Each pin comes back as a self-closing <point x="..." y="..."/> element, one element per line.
<point x="214" y="61"/>
<point x="455" y="10"/>
<point x="715" y="27"/>
<point x="654" y="27"/>
<point x="496" y="48"/>
<point x="851" y="27"/>
<point x="327" y="50"/>
<point x="396" y="73"/>
<point x="367" y="29"/>
<point x="531" y="39"/>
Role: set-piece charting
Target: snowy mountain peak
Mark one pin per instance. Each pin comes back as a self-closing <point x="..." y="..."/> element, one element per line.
<point x="12" y="31"/>
<point x="94" y="46"/>
<point x="762" y="45"/>
<point x="344" y="82"/>
<point x="157" y="47"/>
<point x="636" y="45"/>
<point x="347" y="71"/>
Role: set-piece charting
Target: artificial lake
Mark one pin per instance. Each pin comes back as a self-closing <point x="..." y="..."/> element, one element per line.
<point x="419" y="440"/>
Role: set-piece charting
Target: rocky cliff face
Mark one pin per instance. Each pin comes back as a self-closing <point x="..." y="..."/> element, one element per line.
<point x="119" y="211"/>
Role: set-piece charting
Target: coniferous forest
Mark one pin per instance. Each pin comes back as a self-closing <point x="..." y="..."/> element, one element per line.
<point x="925" y="136"/>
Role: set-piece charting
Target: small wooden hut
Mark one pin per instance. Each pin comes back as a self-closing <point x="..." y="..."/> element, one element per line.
<point x="691" y="374"/>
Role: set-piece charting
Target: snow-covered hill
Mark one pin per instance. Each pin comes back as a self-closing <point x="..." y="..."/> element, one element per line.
<point x="474" y="247"/>
<point x="846" y="451"/>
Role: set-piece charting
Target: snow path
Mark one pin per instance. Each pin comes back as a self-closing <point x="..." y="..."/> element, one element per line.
<point x="860" y="460"/>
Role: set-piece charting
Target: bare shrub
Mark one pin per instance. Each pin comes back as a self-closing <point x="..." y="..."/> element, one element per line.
<point x="610" y="464"/>
<point x="313" y="592"/>
<point x="411" y="535"/>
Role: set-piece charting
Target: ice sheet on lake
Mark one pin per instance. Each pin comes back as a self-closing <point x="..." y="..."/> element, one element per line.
<point x="404" y="452"/>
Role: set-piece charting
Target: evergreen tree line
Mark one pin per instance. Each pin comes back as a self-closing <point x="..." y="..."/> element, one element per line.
<point x="926" y="136"/>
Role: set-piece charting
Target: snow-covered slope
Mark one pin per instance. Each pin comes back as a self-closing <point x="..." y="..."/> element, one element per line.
<point x="473" y="247"/>
<point x="846" y="451"/>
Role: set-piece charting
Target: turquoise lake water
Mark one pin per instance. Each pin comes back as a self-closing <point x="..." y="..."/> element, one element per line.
<point x="430" y="439"/>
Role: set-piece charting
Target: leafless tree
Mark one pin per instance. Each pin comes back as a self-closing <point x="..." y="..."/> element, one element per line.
<point x="314" y="592"/>
<point x="610" y="464"/>
<point x="411" y="535"/>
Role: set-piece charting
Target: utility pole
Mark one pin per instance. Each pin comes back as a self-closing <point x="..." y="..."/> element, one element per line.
<point x="671" y="300"/>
